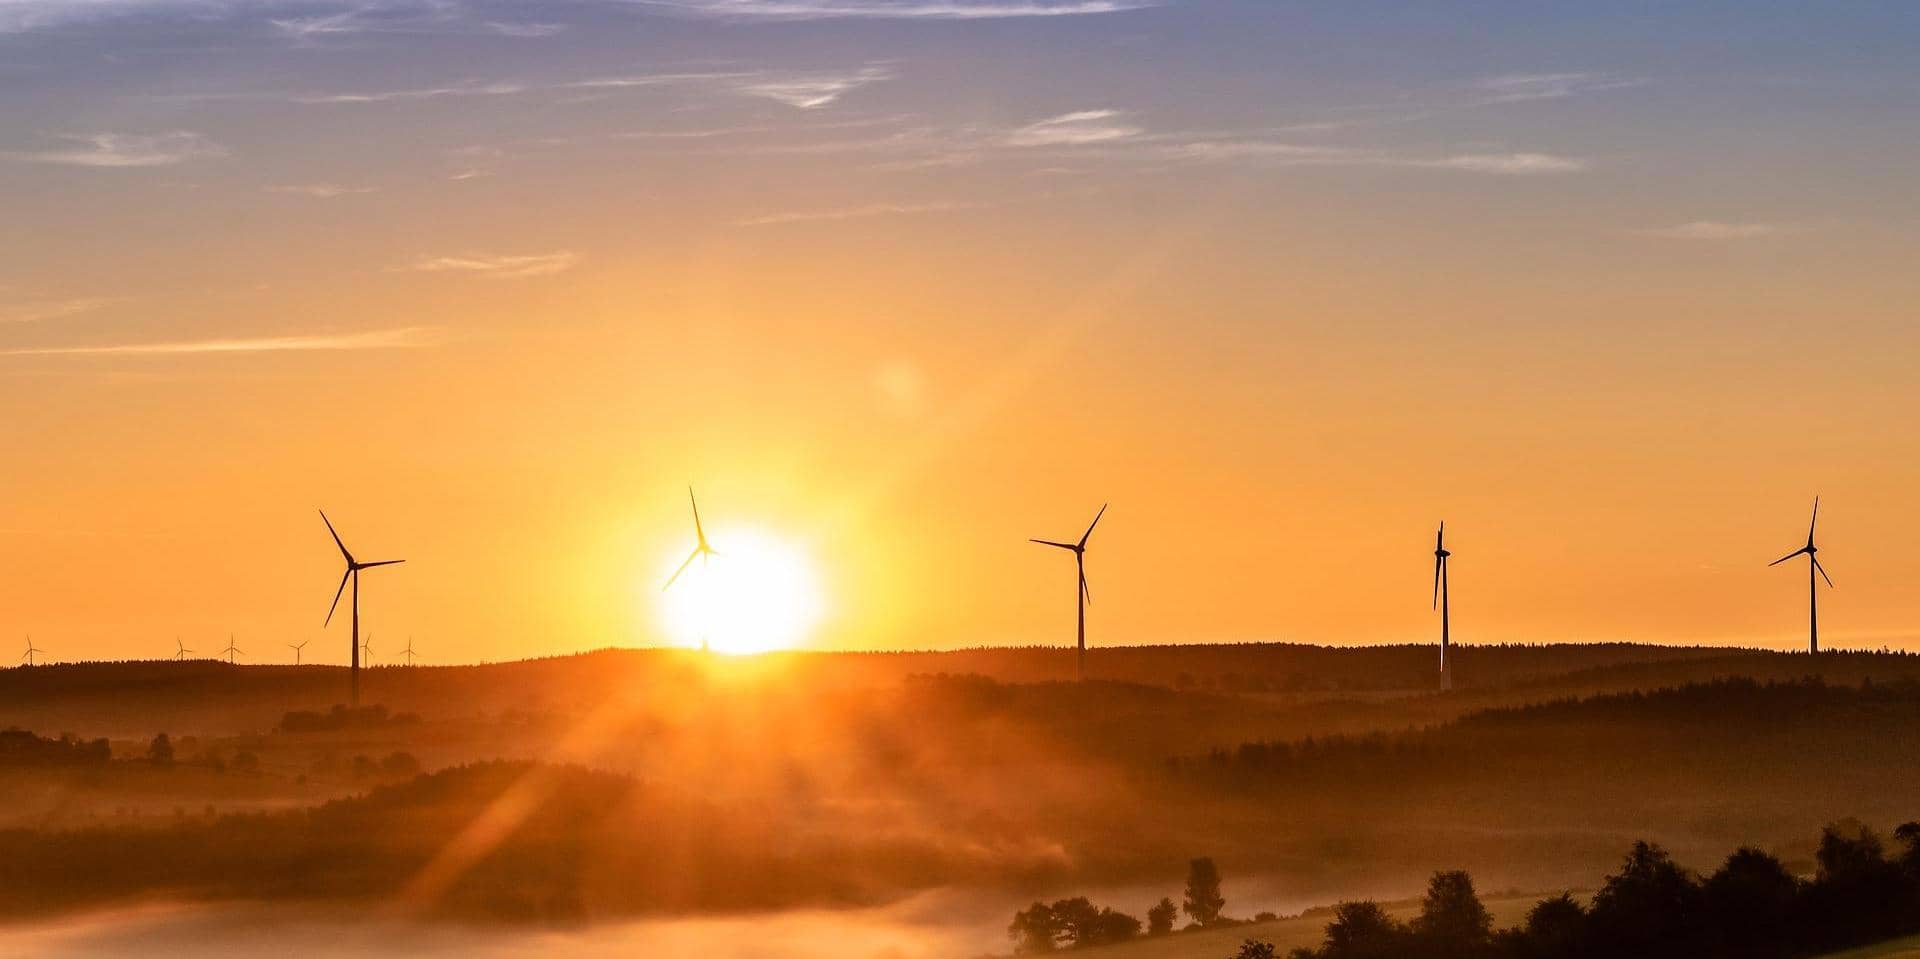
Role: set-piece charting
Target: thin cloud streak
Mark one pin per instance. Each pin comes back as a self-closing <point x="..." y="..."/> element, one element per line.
<point x="854" y="213"/>
<point x="536" y="264"/>
<point x="895" y="9"/>
<point x="1714" y="230"/>
<point x="406" y="337"/>
<point x="54" y="309"/>
<point x="1074" y="129"/>
<point x="122" y="150"/>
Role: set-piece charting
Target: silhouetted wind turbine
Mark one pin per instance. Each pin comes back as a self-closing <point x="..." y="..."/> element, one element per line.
<point x="1083" y="596"/>
<point x="31" y="649"/>
<point x="232" y="650"/>
<point x="366" y="649"/>
<point x="180" y="650"/>
<point x="408" y="652"/>
<point x="701" y="551"/>
<point x="1440" y="555"/>
<point x="1813" y="591"/>
<point x="297" y="647"/>
<point x="354" y="567"/>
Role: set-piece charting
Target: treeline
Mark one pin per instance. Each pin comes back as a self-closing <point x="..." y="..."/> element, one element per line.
<point x="1712" y="721"/>
<point x="20" y="747"/>
<point x="1752" y="907"/>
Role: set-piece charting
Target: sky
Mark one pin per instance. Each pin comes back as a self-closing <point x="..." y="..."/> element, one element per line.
<point x="1614" y="289"/>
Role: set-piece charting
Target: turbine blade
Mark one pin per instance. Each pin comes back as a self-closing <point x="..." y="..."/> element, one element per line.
<point x="683" y="568"/>
<point x="1440" y="538"/>
<point x="1085" y="593"/>
<point x="1788" y="556"/>
<point x="1090" y="526"/>
<point x="1048" y="542"/>
<point x="1814" y="521"/>
<point x="698" y="530"/>
<point x="336" y="597"/>
<point x="1438" y="561"/>
<point x="1823" y="572"/>
<point x="336" y="537"/>
<point x="384" y="562"/>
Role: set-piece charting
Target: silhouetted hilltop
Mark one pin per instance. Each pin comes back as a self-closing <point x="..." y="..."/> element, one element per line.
<point x="133" y="699"/>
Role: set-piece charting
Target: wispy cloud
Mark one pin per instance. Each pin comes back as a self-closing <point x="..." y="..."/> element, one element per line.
<point x="1507" y="164"/>
<point x="323" y="191"/>
<point x="1269" y="151"/>
<point x="1517" y="87"/>
<point x="524" y="29"/>
<point x="1714" y="230"/>
<point x="41" y="311"/>
<point x="855" y="213"/>
<point x="535" y="264"/>
<point x="108" y="150"/>
<point x="896" y="9"/>
<point x="406" y="337"/>
<point x="1074" y="129"/>
<point x="417" y="93"/>
<point x="809" y="92"/>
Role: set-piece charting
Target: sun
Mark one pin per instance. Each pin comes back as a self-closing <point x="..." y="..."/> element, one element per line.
<point x="758" y="592"/>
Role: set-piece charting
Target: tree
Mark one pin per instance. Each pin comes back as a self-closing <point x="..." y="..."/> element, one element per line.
<point x="1452" y="922"/>
<point x="1203" y="900"/>
<point x="1556" y="928"/>
<point x="1363" y="930"/>
<point x="1032" y="929"/>
<point x="1651" y="908"/>
<point x="160" y="751"/>
<point x="1750" y="905"/>
<point x="1858" y="895"/>
<point x="1160" y="918"/>
<point x="1255" y="949"/>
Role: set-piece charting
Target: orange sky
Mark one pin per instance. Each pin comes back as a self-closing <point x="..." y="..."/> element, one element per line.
<point x="1619" y="373"/>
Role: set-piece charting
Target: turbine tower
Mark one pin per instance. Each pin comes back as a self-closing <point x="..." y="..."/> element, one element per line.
<point x="408" y="652"/>
<point x="180" y="650"/>
<point x="232" y="650"/>
<point x="31" y="649"/>
<point x="1813" y="588"/>
<point x="1082" y="595"/>
<point x="354" y="567"/>
<point x="297" y="647"/>
<point x="701" y="551"/>
<point x="1440" y="555"/>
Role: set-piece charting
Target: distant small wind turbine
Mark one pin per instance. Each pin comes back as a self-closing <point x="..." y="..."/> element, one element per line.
<point x="1813" y="591"/>
<point x="408" y="652"/>
<point x="366" y="650"/>
<point x="180" y="650"/>
<point x="232" y="650"/>
<point x="701" y="551"/>
<point x="297" y="647"/>
<point x="354" y="567"/>
<point x="1440" y="555"/>
<point x="1082" y="594"/>
<point x="31" y="649"/>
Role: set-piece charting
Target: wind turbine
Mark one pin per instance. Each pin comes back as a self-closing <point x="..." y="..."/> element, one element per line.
<point x="30" y="651"/>
<point x="1084" y="597"/>
<point x="1440" y="555"/>
<point x="232" y="650"/>
<point x="1813" y="592"/>
<point x="297" y="647"/>
<point x="354" y="567"/>
<point x="408" y="652"/>
<point x="366" y="650"/>
<point x="701" y="551"/>
<point x="180" y="650"/>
